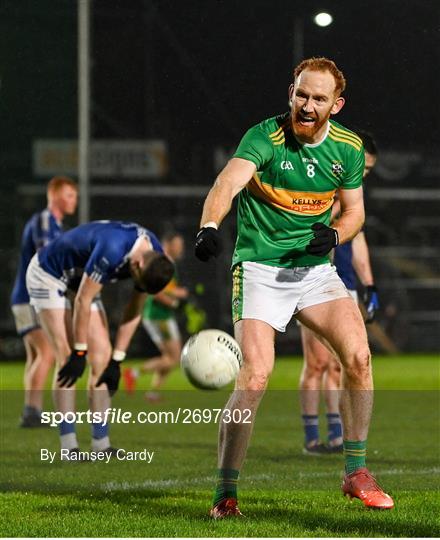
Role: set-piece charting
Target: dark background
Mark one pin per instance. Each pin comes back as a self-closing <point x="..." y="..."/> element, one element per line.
<point x="197" y="75"/>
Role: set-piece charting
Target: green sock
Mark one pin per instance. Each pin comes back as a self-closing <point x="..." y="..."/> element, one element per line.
<point x="226" y="485"/>
<point x="355" y="453"/>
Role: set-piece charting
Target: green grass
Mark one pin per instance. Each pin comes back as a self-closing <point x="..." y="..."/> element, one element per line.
<point x="282" y="492"/>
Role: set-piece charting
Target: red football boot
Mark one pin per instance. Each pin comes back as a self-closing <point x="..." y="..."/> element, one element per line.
<point x="129" y="379"/>
<point x="362" y="485"/>
<point x="225" y="508"/>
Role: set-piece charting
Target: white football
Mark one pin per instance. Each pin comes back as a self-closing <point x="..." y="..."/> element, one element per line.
<point x="211" y="359"/>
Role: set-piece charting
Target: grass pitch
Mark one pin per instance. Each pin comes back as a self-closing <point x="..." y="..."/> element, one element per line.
<point x="282" y="493"/>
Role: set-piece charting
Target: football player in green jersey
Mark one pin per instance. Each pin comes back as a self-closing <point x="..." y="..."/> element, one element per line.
<point x="287" y="170"/>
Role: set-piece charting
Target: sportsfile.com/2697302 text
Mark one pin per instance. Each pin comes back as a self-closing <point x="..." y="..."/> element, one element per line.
<point x="180" y="415"/>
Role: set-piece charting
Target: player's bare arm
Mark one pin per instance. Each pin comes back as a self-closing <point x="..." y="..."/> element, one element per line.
<point x="361" y="259"/>
<point x="167" y="299"/>
<point x="336" y="210"/>
<point x="87" y="291"/>
<point x="352" y="214"/>
<point x="171" y="298"/>
<point x="232" y="179"/>
<point x="180" y="292"/>
<point x="130" y="320"/>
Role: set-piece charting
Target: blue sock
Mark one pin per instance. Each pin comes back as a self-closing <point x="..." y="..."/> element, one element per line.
<point x="311" y="427"/>
<point x="68" y="435"/>
<point x="99" y="430"/>
<point x="334" y="426"/>
<point x="67" y="427"/>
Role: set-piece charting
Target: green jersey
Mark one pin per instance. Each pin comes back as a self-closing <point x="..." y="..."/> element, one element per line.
<point x="294" y="187"/>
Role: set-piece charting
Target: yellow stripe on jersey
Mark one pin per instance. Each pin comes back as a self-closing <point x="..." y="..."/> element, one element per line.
<point x="278" y="137"/>
<point x="346" y="133"/>
<point x="295" y="202"/>
<point x="342" y="138"/>
<point x="276" y="133"/>
<point x="283" y="140"/>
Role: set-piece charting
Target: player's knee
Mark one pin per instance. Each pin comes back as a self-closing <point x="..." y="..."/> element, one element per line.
<point x="358" y="364"/>
<point x="62" y="351"/>
<point x="170" y="360"/>
<point x="47" y="355"/>
<point x="99" y="356"/>
<point x="320" y="366"/>
<point x="314" y="370"/>
<point x="97" y="365"/>
<point x="257" y="384"/>
<point x="257" y="380"/>
<point x="334" y="370"/>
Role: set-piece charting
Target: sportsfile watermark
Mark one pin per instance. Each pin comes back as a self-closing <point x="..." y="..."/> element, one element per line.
<point x="179" y="416"/>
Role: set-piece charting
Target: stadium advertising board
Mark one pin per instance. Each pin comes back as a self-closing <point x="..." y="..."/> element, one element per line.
<point x="131" y="158"/>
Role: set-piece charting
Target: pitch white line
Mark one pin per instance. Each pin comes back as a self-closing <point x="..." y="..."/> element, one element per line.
<point x="208" y="480"/>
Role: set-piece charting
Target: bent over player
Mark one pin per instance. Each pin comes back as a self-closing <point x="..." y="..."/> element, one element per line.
<point x="62" y="197"/>
<point x="321" y="367"/>
<point x="92" y="254"/>
<point x="287" y="170"/>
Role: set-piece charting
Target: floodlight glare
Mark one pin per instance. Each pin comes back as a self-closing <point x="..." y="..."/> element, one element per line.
<point x="323" y="19"/>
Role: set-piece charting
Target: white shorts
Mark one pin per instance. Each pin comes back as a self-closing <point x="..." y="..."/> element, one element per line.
<point x="162" y="330"/>
<point x="354" y="294"/>
<point x="26" y="318"/>
<point x="273" y="294"/>
<point x="48" y="292"/>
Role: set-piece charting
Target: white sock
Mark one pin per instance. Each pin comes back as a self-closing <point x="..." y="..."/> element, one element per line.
<point x="98" y="445"/>
<point x="69" y="441"/>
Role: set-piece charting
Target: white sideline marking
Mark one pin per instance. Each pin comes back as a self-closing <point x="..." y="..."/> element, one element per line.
<point x="131" y="486"/>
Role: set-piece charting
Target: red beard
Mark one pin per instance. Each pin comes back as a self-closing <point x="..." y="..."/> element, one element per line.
<point x="304" y="131"/>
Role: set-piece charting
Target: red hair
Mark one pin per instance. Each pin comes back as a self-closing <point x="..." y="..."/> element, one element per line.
<point x="322" y="64"/>
<point x="57" y="182"/>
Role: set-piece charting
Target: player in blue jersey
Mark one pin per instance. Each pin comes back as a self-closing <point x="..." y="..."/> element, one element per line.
<point x="42" y="227"/>
<point x="83" y="260"/>
<point x="321" y="368"/>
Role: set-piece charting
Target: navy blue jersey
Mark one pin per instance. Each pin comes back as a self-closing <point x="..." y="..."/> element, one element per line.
<point x="41" y="229"/>
<point x="343" y="262"/>
<point x="101" y="249"/>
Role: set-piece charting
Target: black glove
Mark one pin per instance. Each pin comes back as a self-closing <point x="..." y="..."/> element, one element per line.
<point x="208" y="244"/>
<point x="111" y="376"/>
<point x="325" y="239"/>
<point x="72" y="369"/>
<point x="371" y="302"/>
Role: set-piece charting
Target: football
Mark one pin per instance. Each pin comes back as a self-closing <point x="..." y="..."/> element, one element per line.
<point x="211" y="359"/>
